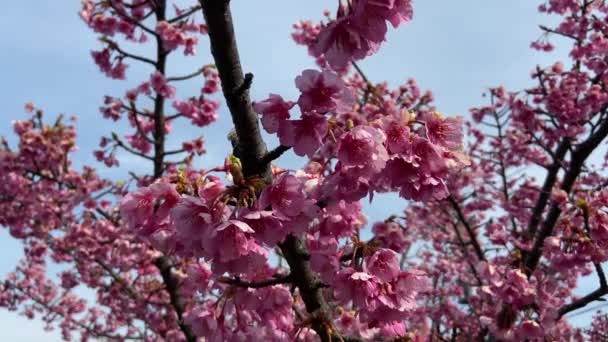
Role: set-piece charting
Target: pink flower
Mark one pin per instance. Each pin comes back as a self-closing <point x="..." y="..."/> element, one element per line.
<point x="323" y="92"/>
<point x="232" y="248"/>
<point x="425" y="189"/>
<point x="145" y="209"/>
<point x="255" y="258"/>
<point x="274" y="111"/>
<point x="113" y="70"/>
<point x="193" y="220"/>
<point x="201" y="111"/>
<point x="559" y="196"/>
<point x="446" y="132"/>
<point x="363" y="147"/>
<point x="198" y="279"/>
<point x="599" y="230"/>
<point x="205" y="323"/>
<point x="359" y="32"/>
<point x="429" y="158"/>
<point x="160" y="85"/>
<point x="269" y="228"/>
<point x="392" y="329"/>
<point x="286" y="196"/>
<point x="342" y="219"/>
<point x="396" y="12"/>
<point x="401" y="295"/>
<point x="173" y="36"/>
<point x="384" y="265"/>
<point x="423" y="179"/>
<point x="139" y="143"/>
<point x="345" y="184"/>
<point x="516" y="289"/>
<point x="397" y="136"/>
<point x="360" y="287"/>
<point x="324" y="256"/>
<point x="390" y="235"/>
<point x="340" y="43"/>
<point x="343" y="41"/>
<point x="304" y="135"/>
<point x="529" y="329"/>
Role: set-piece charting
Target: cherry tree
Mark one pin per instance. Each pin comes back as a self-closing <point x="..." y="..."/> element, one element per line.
<point x="499" y="226"/>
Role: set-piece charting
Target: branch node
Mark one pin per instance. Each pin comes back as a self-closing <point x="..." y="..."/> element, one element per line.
<point x="246" y="83"/>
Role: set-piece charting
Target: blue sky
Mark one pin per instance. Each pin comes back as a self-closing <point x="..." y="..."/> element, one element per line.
<point x="455" y="48"/>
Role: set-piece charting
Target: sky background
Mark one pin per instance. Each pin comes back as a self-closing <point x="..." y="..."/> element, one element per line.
<point x="457" y="49"/>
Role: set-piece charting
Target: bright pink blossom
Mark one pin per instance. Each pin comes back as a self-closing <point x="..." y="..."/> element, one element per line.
<point x="323" y="92"/>
<point x="146" y="209"/>
<point x="384" y="264"/>
<point x="363" y="147"/>
<point x="305" y="135"/>
<point x="286" y="196"/>
<point x="274" y="111"/>
<point x="446" y="132"/>
<point x="160" y="85"/>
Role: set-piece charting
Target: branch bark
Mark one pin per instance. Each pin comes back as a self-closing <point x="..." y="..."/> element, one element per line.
<point x="550" y="180"/>
<point x="251" y="149"/>
<point x="163" y="263"/>
<point x="469" y="229"/>
<point x="579" y="156"/>
<point x="591" y="297"/>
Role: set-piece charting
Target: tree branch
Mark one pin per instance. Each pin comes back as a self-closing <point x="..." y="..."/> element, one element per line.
<point x="469" y="229"/>
<point x="184" y="15"/>
<point x="277" y="280"/>
<point x="275" y="154"/>
<point x="164" y="266"/>
<point x="114" y="46"/>
<point x="251" y="149"/>
<point x="185" y="77"/>
<point x="131" y="20"/>
<point x="579" y="156"/>
<point x="550" y="180"/>
<point x="591" y="297"/>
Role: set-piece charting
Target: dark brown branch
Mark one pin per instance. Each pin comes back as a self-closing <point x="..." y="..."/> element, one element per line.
<point x="185" y="77"/>
<point x="463" y="247"/>
<point x="275" y="154"/>
<point x="131" y="20"/>
<point x="164" y="266"/>
<point x="591" y="297"/>
<point x="251" y="149"/>
<point x="548" y="30"/>
<point x="469" y="229"/>
<point x="186" y="14"/>
<point x="130" y="109"/>
<point x="163" y="263"/>
<point x="174" y="116"/>
<point x="579" y="156"/>
<point x="277" y="280"/>
<point x="130" y="291"/>
<point x="361" y="73"/>
<point x="169" y="153"/>
<point x="297" y="256"/>
<point x="124" y="146"/>
<point x="51" y="308"/>
<point x="502" y="166"/>
<point x="114" y="46"/>
<point x="550" y="180"/>
<point x="138" y="125"/>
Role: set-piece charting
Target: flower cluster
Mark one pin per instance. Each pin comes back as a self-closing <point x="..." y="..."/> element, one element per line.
<point x="358" y="30"/>
<point x="247" y="250"/>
